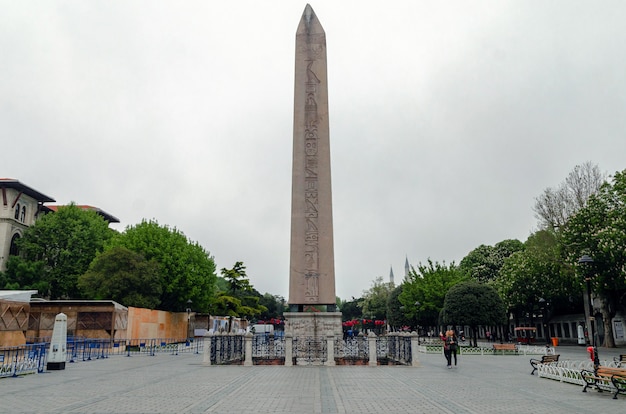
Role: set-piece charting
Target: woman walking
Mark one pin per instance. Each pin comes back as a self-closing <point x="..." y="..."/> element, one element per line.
<point x="449" y="346"/>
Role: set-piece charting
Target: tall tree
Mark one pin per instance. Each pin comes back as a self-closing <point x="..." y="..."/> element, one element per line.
<point x="484" y="262"/>
<point x="187" y="271"/>
<point x="473" y="304"/>
<point x="536" y="275"/>
<point x="351" y="309"/>
<point x="425" y="289"/>
<point x="555" y="205"/>
<point x="56" y="250"/>
<point x="396" y="317"/>
<point x="275" y="305"/>
<point x="374" y="303"/>
<point x="125" y="277"/>
<point x="599" y="230"/>
<point x="240" y="299"/>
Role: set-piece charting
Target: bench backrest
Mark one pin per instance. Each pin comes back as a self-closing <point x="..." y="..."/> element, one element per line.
<point x="549" y="358"/>
<point x="611" y="371"/>
<point x="504" y="346"/>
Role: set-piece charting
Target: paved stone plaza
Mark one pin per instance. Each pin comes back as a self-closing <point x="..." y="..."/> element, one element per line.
<point x="181" y="384"/>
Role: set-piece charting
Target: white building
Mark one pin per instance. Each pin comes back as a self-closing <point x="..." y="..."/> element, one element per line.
<point x="21" y="205"/>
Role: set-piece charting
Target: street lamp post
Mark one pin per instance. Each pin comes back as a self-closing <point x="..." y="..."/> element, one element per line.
<point x="189" y="332"/>
<point x="417" y="323"/>
<point x="587" y="261"/>
<point x="543" y="305"/>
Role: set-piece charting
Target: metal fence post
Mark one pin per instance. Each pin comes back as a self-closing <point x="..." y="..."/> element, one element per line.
<point x="206" y="356"/>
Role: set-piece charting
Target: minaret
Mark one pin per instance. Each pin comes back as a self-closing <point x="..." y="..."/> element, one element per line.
<point x="391" y="276"/>
<point x="407" y="268"/>
<point x="312" y="260"/>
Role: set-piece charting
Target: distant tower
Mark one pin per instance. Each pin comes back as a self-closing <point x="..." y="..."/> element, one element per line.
<point x="407" y="268"/>
<point x="391" y="276"/>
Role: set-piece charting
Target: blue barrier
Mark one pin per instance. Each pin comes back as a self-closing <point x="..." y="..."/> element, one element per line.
<point x="21" y="360"/>
<point x="31" y="358"/>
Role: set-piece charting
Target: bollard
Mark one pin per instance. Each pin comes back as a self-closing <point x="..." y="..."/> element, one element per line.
<point x="58" y="343"/>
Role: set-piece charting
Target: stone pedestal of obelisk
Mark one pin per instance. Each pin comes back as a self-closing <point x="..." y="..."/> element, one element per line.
<point x="312" y="268"/>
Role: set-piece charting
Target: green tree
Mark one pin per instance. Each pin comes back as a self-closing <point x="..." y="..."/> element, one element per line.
<point x="538" y="272"/>
<point x="237" y="279"/>
<point x="351" y="309"/>
<point x="599" y="230"/>
<point x="428" y="286"/>
<point x="374" y="303"/>
<point x="123" y="276"/>
<point x="473" y="304"/>
<point x="240" y="299"/>
<point x="187" y="271"/>
<point x="56" y="250"/>
<point x="275" y="305"/>
<point x="484" y="262"/>
<point x="396" y="317"/>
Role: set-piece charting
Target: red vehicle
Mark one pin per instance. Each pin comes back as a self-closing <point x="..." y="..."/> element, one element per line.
<point x="525" y="335"/>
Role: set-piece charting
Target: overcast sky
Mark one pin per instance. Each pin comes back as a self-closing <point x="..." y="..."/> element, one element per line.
<point x="447" y="119"/>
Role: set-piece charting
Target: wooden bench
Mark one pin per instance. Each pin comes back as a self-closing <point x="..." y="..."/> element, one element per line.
<point x="504" y="347"/>
<point x="606" y="378"/>
<point x="546" y="359"/>
<point x="620" y="360"/>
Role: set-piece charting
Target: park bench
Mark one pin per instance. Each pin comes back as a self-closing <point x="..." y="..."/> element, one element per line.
<point x="504" y="348"/>
<point x="605" y="378"/>
<point x="546" y="359"/>
<point x="620" y="361"/>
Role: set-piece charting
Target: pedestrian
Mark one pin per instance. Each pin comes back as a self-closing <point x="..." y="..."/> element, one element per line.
<point x="450" y="345"/>
<point x="453" y="345"/>
<point x="446" y="348"/>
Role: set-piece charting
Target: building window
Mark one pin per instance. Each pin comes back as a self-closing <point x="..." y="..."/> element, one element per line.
<point x="23" y="217"/>
<point x="17" y="211"/>
<point x="13" y="251"/>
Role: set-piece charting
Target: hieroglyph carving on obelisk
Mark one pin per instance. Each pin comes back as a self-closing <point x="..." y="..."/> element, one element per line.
<point x="312" y="268"/>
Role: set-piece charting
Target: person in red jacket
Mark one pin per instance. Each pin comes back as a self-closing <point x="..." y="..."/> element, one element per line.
<point x="450" y="346"/>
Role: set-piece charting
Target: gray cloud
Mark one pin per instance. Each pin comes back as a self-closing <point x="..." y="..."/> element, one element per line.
<point x="447" y="119"/>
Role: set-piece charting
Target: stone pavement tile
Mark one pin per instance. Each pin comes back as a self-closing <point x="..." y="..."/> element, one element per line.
<point x="181" y="384"/>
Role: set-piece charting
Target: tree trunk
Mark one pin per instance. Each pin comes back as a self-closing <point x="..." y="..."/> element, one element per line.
<point x="474" y="336"/>
<point x="609" y="341"/>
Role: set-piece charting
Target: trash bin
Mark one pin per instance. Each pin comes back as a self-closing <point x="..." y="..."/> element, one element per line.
<point x="555" y="341"/>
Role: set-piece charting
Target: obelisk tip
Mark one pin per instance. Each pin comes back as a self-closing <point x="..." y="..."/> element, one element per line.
<point x="309" y="22"/>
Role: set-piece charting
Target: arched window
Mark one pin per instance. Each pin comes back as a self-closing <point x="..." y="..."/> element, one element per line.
<point x="23" y="218"/>
<point x="13" y="251"/>
<point x="17" y="211"/>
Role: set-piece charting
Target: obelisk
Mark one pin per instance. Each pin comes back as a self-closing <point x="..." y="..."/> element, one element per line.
<point x="312" y="268"/>
<point x="312" y="260"/>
